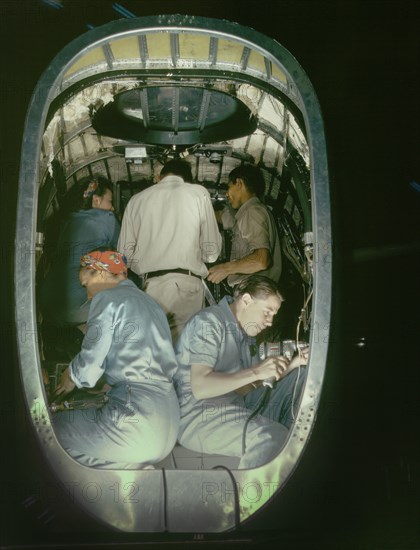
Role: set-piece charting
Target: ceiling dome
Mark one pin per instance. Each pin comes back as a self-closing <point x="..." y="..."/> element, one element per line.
<point x="169" y="115"/>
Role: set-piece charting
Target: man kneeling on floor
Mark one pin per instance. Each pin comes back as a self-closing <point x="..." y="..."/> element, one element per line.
<point x="219" y="384"/>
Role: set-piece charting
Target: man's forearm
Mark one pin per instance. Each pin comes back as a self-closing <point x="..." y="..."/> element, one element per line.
<point x="207" y="383"/>
<point x="215" y="384"/>
<point x="257" y="261"/>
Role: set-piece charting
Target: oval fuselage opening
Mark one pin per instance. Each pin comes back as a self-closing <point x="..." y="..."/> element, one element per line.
<point x="119" y="102"/>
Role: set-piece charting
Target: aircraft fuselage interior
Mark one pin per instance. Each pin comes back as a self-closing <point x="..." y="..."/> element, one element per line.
<point x="120" y="101"/>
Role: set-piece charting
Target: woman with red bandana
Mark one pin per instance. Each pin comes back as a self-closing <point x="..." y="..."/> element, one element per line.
<point x="128" y="346"/>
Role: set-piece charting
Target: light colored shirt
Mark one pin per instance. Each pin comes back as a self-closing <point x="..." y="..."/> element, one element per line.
<point x="128" y="343"/>
<point x="127" y="340"/>
<point x="255" y="228"/>
<point x="213" y="338"/>
<point x="170" y="225"/>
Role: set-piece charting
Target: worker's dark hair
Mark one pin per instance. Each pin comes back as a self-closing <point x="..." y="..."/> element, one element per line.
<point x="251" y="176"/>
<point x="178" y="167"/>
<point x="80" y="195"/>
<point x="257" y="286"/>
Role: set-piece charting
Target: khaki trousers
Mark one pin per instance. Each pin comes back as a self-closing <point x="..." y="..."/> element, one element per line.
<point x="179" y="295"/>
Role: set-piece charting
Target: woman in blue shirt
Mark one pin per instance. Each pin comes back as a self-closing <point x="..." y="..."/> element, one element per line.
<point x="89" y="223"/>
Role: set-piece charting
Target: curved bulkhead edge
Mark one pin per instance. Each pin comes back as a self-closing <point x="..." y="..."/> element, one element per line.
<point x="131" y="500"/>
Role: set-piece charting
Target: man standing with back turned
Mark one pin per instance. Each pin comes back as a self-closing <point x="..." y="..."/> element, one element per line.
<point x="168" y="233"/>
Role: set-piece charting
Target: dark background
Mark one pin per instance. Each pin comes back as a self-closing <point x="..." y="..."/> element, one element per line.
<point x="357" y="486"/>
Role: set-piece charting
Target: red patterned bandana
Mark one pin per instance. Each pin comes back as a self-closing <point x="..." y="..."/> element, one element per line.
<point x="109" y="260"/>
